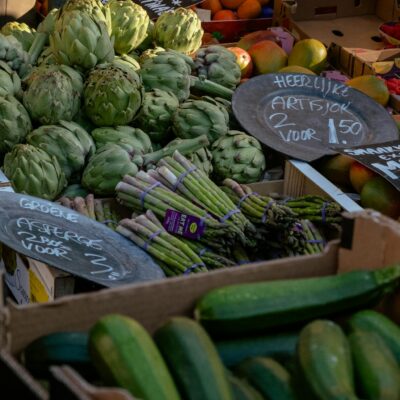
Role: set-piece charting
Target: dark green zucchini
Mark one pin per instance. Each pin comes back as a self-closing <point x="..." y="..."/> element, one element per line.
<point x="242" y="390"/>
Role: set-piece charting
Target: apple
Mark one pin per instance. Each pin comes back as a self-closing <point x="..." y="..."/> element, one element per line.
<point x="244" y="61"/>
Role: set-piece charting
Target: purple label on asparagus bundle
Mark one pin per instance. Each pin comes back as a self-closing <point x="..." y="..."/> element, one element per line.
<point x="185" y="225"/>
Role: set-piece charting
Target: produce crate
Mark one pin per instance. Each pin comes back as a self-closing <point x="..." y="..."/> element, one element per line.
<point x="348" y="23"/>
<point x="369" y="240"/>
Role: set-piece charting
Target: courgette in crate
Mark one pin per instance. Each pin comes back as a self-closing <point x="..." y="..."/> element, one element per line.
<point x="57" y="349"/>
<point x="125" y="355"/>
<point x="376" y="368"/>
<point x="269" y="377"/>
<point x="253" y="307"/>
<point x="324" y="359"/>
<point x="193" y="360"/>
<point x="373" y="321"/>
<point x="281" y="346"/>
<point x="242" y="390"/>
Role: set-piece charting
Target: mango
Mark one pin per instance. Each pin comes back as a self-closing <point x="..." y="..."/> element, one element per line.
<point x="267" y="57"/>
<point x="310" y="54"/>
<point x="295" y="69"/>
<point x="372" y="86"/>
<point x="336" y="169"/>
<point x="360" y="175"/>
<point x="254" y="37"/>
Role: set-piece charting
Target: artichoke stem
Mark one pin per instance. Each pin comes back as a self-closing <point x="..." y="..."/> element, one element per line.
<point x="184" y="147"/>
<point x="37" y="46"/>
<point x="211" y="88"/>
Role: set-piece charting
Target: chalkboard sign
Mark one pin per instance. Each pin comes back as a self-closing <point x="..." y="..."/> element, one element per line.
<point x="383" y="158"/>
<point x="71" y="242"/>
<point x="307" y="116"/>
<point x="156" y="7"/>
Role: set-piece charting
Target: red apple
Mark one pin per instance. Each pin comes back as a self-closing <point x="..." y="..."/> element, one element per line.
<point x="244" y="61"/>
<point x="360" y="175"/>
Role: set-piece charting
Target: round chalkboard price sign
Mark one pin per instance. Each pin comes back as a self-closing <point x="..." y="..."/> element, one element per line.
<point x="64" y="239"/>
<point x="307" y="117"/>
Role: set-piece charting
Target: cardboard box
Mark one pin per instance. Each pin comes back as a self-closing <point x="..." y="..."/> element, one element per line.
<point x="348" y="23"/>
<point x="153" y="303"/>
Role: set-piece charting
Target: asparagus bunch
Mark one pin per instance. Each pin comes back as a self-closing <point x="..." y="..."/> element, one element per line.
<point x="315" y="208"/>
<point x="181" y="176"/>
<point x="314" y="240"/>
<point x="143" y="192"/>
<point x="175" y="256"/>
<point x="101" y="210"/>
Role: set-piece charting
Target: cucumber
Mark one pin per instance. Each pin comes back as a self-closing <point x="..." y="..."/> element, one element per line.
<point x="324" y="359"/>
<point x="242" y="390"/>
<point x="125" y="355"/>
<point x="57" y="349"/>
<point x="281" y="346"/>
<point x="193" y="360"/>
<point x="373" y="321"/>
<point x="376" y="368"/>
<point x="270" y="378"/>
<point x="255" y="307"/>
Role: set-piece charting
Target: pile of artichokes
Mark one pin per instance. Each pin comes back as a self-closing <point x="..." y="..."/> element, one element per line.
<point x="97" y="92"/>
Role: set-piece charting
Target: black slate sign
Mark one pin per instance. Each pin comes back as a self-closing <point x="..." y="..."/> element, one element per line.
<point x="64" y="239"/>
<point x="307" y="117"/>
<point x="383" y="158"/>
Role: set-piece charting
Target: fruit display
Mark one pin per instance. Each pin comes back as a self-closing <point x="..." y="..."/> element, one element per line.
<point x="297" y="339"/>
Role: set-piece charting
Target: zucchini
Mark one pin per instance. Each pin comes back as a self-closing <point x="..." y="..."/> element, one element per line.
<point x="281" y="346"/>
<point x="324" y="359"/>
<point x="373" y="321"/>
<point x="375" y="366"/>
<point x="255" y="307"/>
<point x="269" y="377"/>
<point x="125" y="355"/>
<point x="193" y="360"/>
<point x="242" y="390"/>
<point x="57" y="349"/>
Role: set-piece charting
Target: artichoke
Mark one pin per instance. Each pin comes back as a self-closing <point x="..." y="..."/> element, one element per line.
<point x="148" y="41"/>
<point x="126" y="61"/>
<point x="134" y="137"/>
<point x="197" y="117"/>
<point x="238" y="156"/>
<point x="69" y="144"/>
<point x="106" y="168"/>
<point x="83" y="121"/>
<point x="12" y="53"/>
<point x="169" y="72"/>
<point x="15" y="123"/>
<point x="21" y="31"/>
<point x="179" y="30"/>
<point x="34" y="172"/>
<point x="10" y="82"/>
<point x="218" y="65"/>
<point x="81" y="41"/>
<point x="74" y="190"/>
<point x="53" y="93"/>
<point x="149" y="53"/>
<point x="46" y="57"/>
<point x="129" y="25"/>
<point x="112" y="95"/>
<point x="201" y="158"/>
<point x="155" y="116"/>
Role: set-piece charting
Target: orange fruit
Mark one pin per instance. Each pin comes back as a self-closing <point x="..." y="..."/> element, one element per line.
<point x="212" y="5"/>
<point x="224" y="15"/>
<point x="249" y="9"/>
<point x="232" y="4"/>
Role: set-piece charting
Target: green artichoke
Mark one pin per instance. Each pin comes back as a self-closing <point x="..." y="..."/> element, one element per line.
<point x="21" y="31"/>
<point x="149" y="53"/>
<point x="129" y="25"/>
<point x="74" y="190"/>
<point x="179" y="29"/>
<point x="10" y="82"/>
<point x="106" y="168"/>
<point x="201" y="158"/>
<point x="238" y="156"/>
<point x="112" y="95"/>
<point x="53" y="93"/>
<point x="83" y="121"/>
<point x="226" y="106"/>
<point x="15" y="123"/>
<point x="218" y="65"/>
<point x="126" y="61"/>
<point x="148" y="41"/>
<point x="71" y="147"/>
<point x="34" y="172"/>
<point x="81" y="41"/>
<point x="197" y="117"/>
<point x="169" y="72"/>
<point x="12" y="53"/>
<point x="46" y="57"/>
<point x="155" y="116"/>
<point x="134" y="137"/>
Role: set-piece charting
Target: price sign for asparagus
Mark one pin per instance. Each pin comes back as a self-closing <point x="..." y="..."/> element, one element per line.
<point x="383" y="158"/>
<point x="64" y="239"/>
<point x="307" y="116"/>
